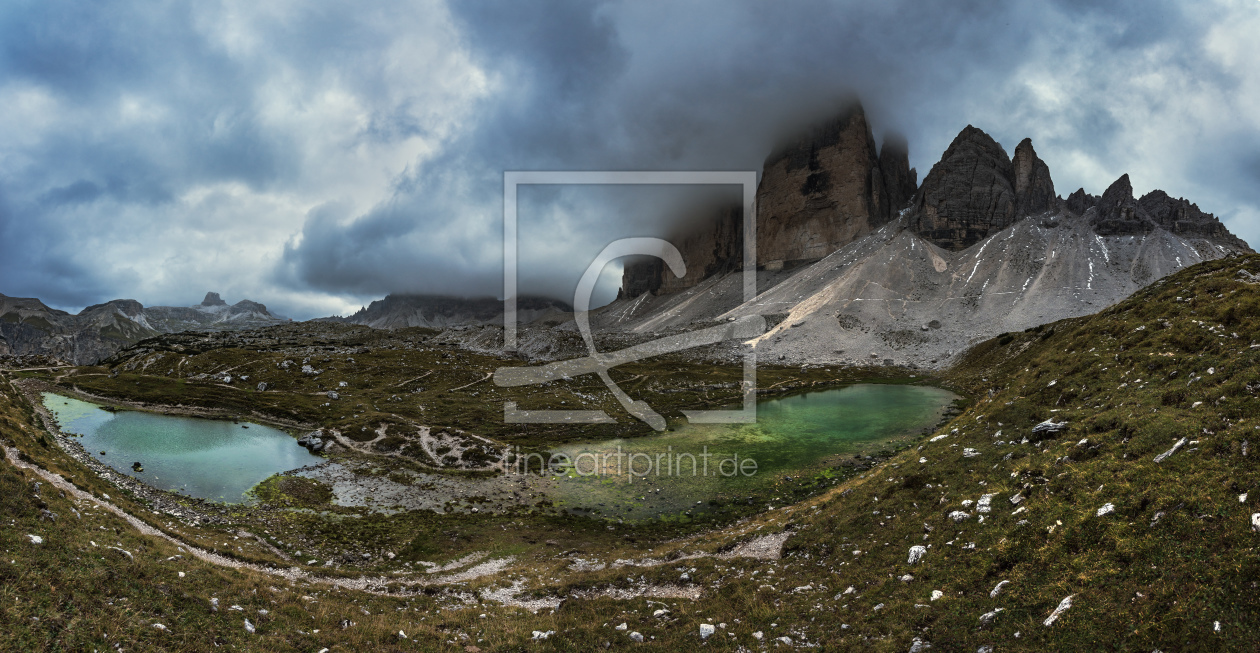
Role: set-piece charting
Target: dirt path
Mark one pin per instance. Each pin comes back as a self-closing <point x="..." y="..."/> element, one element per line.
<point x="373" y="584"/>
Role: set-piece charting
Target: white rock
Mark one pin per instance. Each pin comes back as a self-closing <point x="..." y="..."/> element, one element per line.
<point x="1105" y="510"/>
<point x="959" y="515"/>
<point x="622" y="626"/>
<point x="786" y="640"/>
<point x="249" y="628"/>
<point x="1255" y="521"/>
<point x="661" y="613"/>
<point x="35" y="539"/>
<point x="758" y="635"/>
<point x="636" y="636"/>
<point x="936" y="594"/>
<point x="918" y="646"/>
<point x="402" y="635"/>
<point x="1049" y="427"/>
<point x="939" y="437"/>
<point x="985" y="501"/>
<point x="906" y="579"/>
<point x="968" y="452"/>
<point x="922" y="460"/>
<point x="1164" y="456"/>
<point x="1063" y="606"/>
<point x="998" y="589"/>
<point x="987" y="618"/>
<point x="916" y="553"/>
<point x="706" y="630"/>
<point x="159" y="626"/>
<point x="1242" y="498"/>
<point x="538" y="634"/>
<point x="1015" y="500"/>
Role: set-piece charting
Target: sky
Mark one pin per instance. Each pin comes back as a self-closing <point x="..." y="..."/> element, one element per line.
<point x="317" y="156"/>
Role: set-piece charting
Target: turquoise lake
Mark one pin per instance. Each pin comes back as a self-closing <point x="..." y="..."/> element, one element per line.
<point x="211" y="459"/>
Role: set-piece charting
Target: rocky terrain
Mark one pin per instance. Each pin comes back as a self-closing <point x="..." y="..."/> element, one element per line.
<point x="28" y="327"/>
<point x="984" y="247"/>
<point x="439" y="311"/>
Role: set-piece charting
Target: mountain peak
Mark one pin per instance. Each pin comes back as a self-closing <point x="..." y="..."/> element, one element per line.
<point x="969" y="193"/>
<point x="213" y="299"/>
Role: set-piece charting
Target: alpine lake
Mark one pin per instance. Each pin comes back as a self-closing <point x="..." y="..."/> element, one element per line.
<point x="673" y="475"/>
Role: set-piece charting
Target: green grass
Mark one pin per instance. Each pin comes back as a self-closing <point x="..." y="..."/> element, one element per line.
<point x="1176" y="554"/>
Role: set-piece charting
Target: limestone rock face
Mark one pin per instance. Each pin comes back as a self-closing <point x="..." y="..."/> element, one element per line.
<point x="1117" y="213"/>
<point x="969" y="194"/>
<point x="900" y="180"/>
<point x="1183" y="218"/>
<point x="1080" y="201"/>
<point x="715" y="246"/>
<point x="1034" y="190"/>
<point x="821" y="192"/>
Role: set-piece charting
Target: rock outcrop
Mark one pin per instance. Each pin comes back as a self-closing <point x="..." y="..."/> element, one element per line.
<point x="818" y="192"/>
<point x="715" y="246"/>
<point x="1080" y="202"/>
<point x="825" y="190"/>
<point x="1118" y="213"/>
<point x="213" y="299"/>
<point x="1034" y="190"/>
<point x="900" y="180"/>
<point x="969" y="194"/>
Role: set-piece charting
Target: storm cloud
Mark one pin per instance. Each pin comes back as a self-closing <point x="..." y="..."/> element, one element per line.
<point x="316" y="157"/>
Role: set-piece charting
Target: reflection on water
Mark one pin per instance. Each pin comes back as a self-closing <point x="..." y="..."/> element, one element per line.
<point x="210" y="459"/>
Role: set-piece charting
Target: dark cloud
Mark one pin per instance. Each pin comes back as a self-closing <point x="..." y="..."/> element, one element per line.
<point x="319" y="156"/>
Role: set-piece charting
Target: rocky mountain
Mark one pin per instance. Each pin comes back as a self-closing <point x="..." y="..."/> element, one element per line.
<point x="439" y="312"/>
<point x="818" y="192"/>
<point x="984" y="247"/>
<point x="29" y="327"/>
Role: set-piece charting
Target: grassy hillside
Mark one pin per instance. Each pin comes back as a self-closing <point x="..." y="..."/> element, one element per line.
<point x="1154" y="554"/>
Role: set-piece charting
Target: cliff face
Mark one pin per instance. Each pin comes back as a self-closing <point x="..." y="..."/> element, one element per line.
<point x="900" y="180"/>
<point x="826" y="189"/>
<point x="976" y="190"/>
<point x="818" y="192"/>
<point x="1034" y="190"/>
<point x="968" y="194"/>
<point x="716" y="246"/>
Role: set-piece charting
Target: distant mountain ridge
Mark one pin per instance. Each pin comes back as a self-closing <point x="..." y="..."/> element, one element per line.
<point x="28" y="326"/>
<point x="397" y="311"/>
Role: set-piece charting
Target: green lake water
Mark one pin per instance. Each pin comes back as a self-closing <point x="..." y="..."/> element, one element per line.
<point x="795" y="436"/>
<point x="211" y="459"/>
